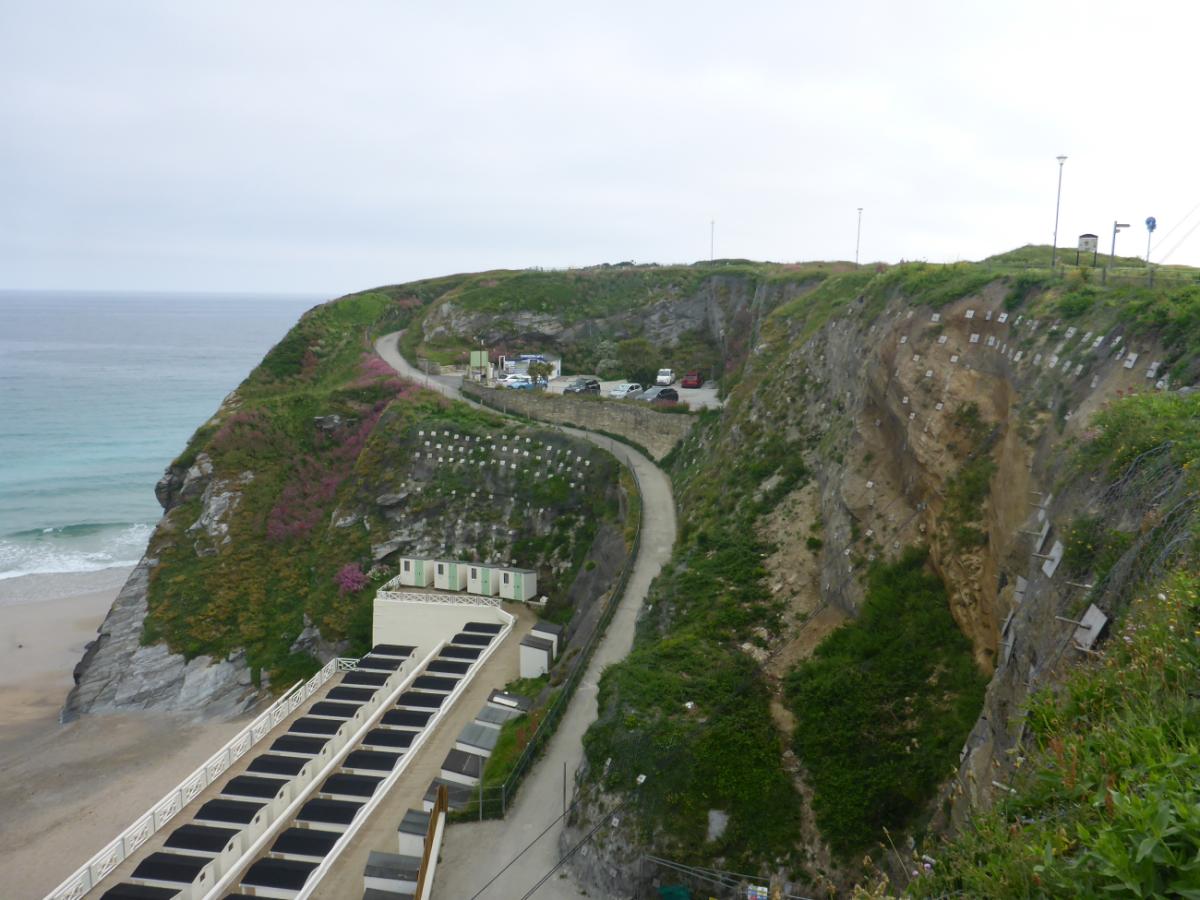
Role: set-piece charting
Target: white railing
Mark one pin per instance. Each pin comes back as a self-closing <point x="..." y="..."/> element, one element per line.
<point x="440" y="599"/>
<point x="91" y="873"/>
<point x="314" y="878"/>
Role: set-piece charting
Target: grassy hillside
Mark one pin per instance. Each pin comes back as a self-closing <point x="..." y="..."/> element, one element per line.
<point x="298" y="456"/>
<point x="1107" y="795"/>
<point x="882" y="707"/>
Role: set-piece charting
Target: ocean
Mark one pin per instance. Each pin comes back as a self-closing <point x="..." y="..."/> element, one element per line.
<point x="98" y="393"/>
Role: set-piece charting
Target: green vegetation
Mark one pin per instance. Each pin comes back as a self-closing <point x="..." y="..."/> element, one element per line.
<point x="938" y="285"/>
<point x="311" y="437"/>
<point x="1139" y="424"/>
<point x="1090" y="546"/>
<point x="688" y="707"/>
<point x="1107" y="795"/>
<point x="883" y="707"/>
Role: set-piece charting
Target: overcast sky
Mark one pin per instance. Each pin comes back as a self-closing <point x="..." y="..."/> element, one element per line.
<point x="300" y="146"/>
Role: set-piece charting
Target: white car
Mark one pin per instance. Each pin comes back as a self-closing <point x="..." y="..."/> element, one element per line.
<point x="625" y="389"/>
<point x="666" y="377"/>
<point x="517" y="381"/>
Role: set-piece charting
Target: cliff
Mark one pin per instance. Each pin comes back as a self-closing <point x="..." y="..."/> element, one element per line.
<point x="290" y="506"/>
<point x="920" y="480"/>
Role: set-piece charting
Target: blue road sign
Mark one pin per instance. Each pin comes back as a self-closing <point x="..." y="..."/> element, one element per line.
<point x="1151" y="223"/>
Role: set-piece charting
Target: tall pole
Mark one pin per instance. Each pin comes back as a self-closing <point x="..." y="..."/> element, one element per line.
<point x="712" y="235"/>
<point x="1057" y="204"/>
<point x="858" y="237"/>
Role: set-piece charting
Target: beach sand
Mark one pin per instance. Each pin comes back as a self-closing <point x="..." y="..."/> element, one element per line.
<point x="67" y="790"/>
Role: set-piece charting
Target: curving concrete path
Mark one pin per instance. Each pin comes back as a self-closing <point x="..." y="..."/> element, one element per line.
<point x="472" y="853"/>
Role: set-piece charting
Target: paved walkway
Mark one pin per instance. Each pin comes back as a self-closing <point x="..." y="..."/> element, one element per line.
<point x="473" y="853"/>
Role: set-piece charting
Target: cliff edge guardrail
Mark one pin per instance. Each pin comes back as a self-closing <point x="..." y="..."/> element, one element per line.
<point x="92" y="872"/>
<point x="657" y="431"/>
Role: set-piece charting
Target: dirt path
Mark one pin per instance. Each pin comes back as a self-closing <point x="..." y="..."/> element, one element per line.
<point x="473" y="853"/>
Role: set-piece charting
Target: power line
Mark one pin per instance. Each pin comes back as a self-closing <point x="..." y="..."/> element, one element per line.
<point x="1179" y="243"/>
<point x="509" y="865"/>
<point x="1178" y="225"/>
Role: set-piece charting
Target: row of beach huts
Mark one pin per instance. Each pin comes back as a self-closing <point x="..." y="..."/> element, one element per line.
<point x="481" y="579"/>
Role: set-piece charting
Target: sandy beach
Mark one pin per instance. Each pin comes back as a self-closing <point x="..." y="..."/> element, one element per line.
<point x="67" y="790"/>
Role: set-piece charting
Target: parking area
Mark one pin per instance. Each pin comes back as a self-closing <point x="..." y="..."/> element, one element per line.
<point x="697" y="398"/>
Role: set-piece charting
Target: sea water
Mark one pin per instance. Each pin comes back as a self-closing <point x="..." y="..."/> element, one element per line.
<point x="98" y="393"/>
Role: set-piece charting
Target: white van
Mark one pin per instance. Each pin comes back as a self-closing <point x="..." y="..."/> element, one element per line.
<point x="665" y="377"/>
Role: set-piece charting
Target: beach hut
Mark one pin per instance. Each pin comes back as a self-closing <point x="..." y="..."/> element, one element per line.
<point x="518" y="584"/>
<point x="550" y="632"/>
<point x="462" y="767"/>
<point x="411" y="832"/>
<point x="503" y="700"/>
<point x="416" y="572"/>
<point x="536" y="655"/>
<point x="449" y="575"/>
<point x="483" y="580"/>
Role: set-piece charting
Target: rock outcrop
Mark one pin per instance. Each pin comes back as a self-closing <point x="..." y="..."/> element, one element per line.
<point x="118" y="674"/>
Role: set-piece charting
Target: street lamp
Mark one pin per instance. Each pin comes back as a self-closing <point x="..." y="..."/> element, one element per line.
<point x="1057" y="204"/>
<point x="858" y="237"/>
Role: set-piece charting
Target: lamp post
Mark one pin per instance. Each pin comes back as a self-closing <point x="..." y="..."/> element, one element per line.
<point x="1057" y="205"/>
<point x="858" y="237"/>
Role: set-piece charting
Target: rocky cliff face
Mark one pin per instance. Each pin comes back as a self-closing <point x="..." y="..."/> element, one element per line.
<point x="290" y="506"/>
<point x="951" y="426"/>
<point x="118" y="674"/>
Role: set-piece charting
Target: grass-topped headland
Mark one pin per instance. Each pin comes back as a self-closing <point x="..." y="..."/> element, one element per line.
<point x="282" y="531"/>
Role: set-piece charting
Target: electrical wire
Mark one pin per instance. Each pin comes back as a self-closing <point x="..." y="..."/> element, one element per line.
<point x="510" y="863"/>
<point x="1178" y="244"/>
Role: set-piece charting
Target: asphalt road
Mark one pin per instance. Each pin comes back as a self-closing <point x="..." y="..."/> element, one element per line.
<point x="473" y="853"/>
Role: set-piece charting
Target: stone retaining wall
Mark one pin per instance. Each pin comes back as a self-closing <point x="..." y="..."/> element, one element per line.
<point x="657" y="431"/>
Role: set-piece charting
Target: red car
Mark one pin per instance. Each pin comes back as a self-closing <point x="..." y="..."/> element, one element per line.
<point x="692" y="380"/>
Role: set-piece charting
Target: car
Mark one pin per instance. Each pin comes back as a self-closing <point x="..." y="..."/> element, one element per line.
<point x="583" y="385"/>
<point x="665" y="377"/>
<point x="660" y="395"/>
<point x="692" y="380"/>
<point x="625" y="389"/>
<point x="519" y="382"/>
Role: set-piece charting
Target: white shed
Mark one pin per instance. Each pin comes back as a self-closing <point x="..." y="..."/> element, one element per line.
<point x="548" y="631"/>
<point x="449" y="575"/>
<point x="482" y="579"/>
<point x="416" y="572"/>
<point x="518" y="584"/>
<point x="536" y="655"/>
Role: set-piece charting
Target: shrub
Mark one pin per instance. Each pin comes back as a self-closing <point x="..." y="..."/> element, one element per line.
<point x="883" y="707"/>
<point x="350" y="579"/>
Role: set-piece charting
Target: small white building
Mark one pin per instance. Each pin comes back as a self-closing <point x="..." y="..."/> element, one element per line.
<point x="415" y="572"/>
<point x="482" y="579"/>
<point x="518" y="584"/>
<point x="550" y="632"/>
<point x="449" y="575"/>
<point x="537" y="654"/>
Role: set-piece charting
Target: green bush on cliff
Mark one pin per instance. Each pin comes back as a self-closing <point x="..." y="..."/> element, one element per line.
<point x="1107" y="793"/>
<point x="883" y="707"/>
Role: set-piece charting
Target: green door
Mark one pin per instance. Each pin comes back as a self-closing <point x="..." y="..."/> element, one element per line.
<point x="518" y="579"/>
<point x="419" y="572"/>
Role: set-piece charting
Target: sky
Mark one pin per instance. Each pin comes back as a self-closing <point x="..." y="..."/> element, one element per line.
<point x="329" y="147"/>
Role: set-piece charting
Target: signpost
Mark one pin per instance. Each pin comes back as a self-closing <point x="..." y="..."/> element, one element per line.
<point x="1151" y="224"/>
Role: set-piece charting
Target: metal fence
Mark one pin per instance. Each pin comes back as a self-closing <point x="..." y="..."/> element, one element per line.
<point x="493" y="802"/>
<point x="92" y="872"/>
<point x="658" y="877"/>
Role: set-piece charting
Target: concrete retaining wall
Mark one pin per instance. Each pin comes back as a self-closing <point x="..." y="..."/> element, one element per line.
<point x="657" y="431"/>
